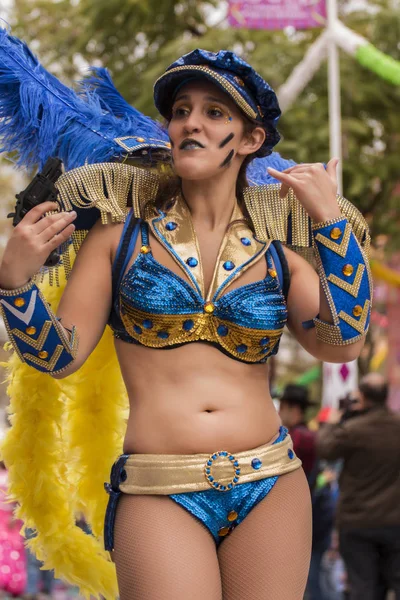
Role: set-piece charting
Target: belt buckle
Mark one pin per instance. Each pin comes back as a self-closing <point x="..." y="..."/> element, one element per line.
<point x="216" y="485"/>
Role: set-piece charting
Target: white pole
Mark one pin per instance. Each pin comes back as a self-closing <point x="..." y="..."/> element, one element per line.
<point x="303" y="72"/>
<point x="335" y="133"/>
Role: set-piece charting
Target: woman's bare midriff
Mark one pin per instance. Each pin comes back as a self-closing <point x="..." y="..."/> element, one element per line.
<point x="194" y="399"/>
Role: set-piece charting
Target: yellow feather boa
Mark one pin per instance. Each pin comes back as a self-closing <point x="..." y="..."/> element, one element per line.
<point x="64" y="437"/>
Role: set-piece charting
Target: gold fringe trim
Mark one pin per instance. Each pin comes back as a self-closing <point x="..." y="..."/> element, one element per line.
<point x="64" y="437"/>
<point x="111" y="187"/>
<point x="285" y="219"/>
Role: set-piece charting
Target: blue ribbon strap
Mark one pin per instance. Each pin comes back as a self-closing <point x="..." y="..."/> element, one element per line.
<point x="118" y="475"/>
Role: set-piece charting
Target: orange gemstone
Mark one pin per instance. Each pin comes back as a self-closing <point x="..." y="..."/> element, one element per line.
<point x="357" y="310"/>
<point x="43" y="354"/>
<point x="223" y="531"/>
<point x="336" y="233"/>
<point x="272" y="272"/>
<point x="19" y="302"/>
<point x="209" y="308"/>
<point x="168" y="144"/>
<point x="232" y="516"/>
<point x="30" y="330"/>
<point x="145" y="249"/>
<point x="140" y="139"/>
<point x="347" y="270"/>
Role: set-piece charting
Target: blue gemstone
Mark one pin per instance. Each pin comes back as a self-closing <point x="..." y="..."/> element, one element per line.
<point x="256" y="463"/>
<point x="223" y="453"/>
<point x="147" y="324"/>
<point x="230" y="486"/>
<point x="222" y="487"/>
<point x="209" y="462"/>
<point x="236" y="463"/>
<point x="214" y="456"/>
<point x="137" y="329"/>
<point x="231" y="457"/>
<point x="163" y="335"/>
<point x="192" y="262"/>
<point x="208" y="470"/>
<point x="241" y="348"/>
<point x="215" y="484"/>
<point x="171" y="226"/>
<point x="237" y="471"/>
<point x="228" y="265"/>
<point x="265" y="350"/>
<point x="245" y="241"/>
<point x="290" y="454"/>
<point x="211" y="478"/>
<point x="222" y="330"/>
<point x="264" y="341"/>
<point x="236" y="479"/>
<point x="188" y="325"/>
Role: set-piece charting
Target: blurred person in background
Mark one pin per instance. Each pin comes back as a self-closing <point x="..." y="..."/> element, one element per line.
<point x="293" y="407"/>
<point x="321" y="581"/>
<point x="12" y="551"/>
<point x="368" y="515"/>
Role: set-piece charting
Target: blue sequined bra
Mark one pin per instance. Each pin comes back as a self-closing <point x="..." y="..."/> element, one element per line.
<point x="155" y="307"/>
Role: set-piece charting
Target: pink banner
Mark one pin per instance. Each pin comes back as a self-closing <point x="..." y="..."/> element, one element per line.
<point x="277" y="14"/>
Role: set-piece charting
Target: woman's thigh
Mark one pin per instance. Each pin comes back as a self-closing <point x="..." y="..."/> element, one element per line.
<point x="162" y="551"/>
<point x="267" y="557"/>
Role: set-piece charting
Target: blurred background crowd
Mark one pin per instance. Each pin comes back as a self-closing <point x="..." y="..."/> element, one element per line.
<point x="344" y="419"/>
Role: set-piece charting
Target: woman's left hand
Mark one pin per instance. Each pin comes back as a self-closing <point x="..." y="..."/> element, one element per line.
<point x="314" y="186"/>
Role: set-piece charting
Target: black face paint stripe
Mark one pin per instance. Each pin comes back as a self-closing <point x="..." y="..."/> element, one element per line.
<point x="226" y="140"/>
<point x="228" y="159"/>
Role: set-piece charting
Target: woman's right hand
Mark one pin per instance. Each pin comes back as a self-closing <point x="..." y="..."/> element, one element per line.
<point x="31" y="243"/>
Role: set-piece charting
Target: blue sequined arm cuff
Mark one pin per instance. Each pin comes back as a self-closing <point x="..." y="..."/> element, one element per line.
<point x="346" y="280"/>
<point x="35" y="332"/>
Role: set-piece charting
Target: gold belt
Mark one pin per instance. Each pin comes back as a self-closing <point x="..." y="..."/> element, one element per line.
<point x="164" y="474"/>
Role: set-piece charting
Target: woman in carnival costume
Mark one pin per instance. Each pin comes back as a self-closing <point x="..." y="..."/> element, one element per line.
<point x="207" y="499"/>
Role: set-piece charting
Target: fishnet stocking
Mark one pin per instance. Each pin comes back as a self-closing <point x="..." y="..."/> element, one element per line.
<point x="163" y="553"/>
<point x="267" y="557"/>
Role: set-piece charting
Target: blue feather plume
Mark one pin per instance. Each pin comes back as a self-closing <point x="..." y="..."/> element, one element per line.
<point x="41" y="117"/>
<point x="102" y="85"/>
<point x="257" y="173"/>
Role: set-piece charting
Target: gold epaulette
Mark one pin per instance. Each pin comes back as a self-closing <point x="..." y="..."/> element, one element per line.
<point x="286" y="220"/>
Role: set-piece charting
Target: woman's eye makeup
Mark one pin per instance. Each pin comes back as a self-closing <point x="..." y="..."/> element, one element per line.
<point x="179" y="112"/>
<point x="214" y="112"/>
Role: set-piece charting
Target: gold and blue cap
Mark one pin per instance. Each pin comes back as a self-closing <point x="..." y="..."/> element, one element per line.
<point x="250" y="92"/>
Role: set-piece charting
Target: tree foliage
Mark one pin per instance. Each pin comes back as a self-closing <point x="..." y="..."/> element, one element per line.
<point x="137" y="39"/>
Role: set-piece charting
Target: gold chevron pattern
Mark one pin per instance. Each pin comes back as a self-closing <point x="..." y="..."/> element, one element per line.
<point x="45" y="364"/>
<point x="350" y="288"/>
<point x="40" y="341"/>
<point x="357" y="324"/>
<point x="341" y="248"/>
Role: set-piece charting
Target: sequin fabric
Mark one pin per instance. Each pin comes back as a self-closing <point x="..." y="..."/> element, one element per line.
<point x="346" y="280"/>
<point x="215" y="509"/>
<point x="234" y="76"/>
<point x="159" y="309"/>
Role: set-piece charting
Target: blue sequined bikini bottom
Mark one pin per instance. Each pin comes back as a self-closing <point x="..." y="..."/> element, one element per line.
<point x="219" y="510"/>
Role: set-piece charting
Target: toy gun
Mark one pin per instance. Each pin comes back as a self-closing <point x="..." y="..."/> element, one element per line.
<point x="41" y="189"/>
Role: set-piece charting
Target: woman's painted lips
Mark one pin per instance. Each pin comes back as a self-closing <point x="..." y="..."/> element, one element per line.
<point x="190" y="144"/>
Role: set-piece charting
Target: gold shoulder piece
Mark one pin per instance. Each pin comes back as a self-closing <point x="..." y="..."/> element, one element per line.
<point x="286" y="220"/>
<point x="112" y="188"/>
